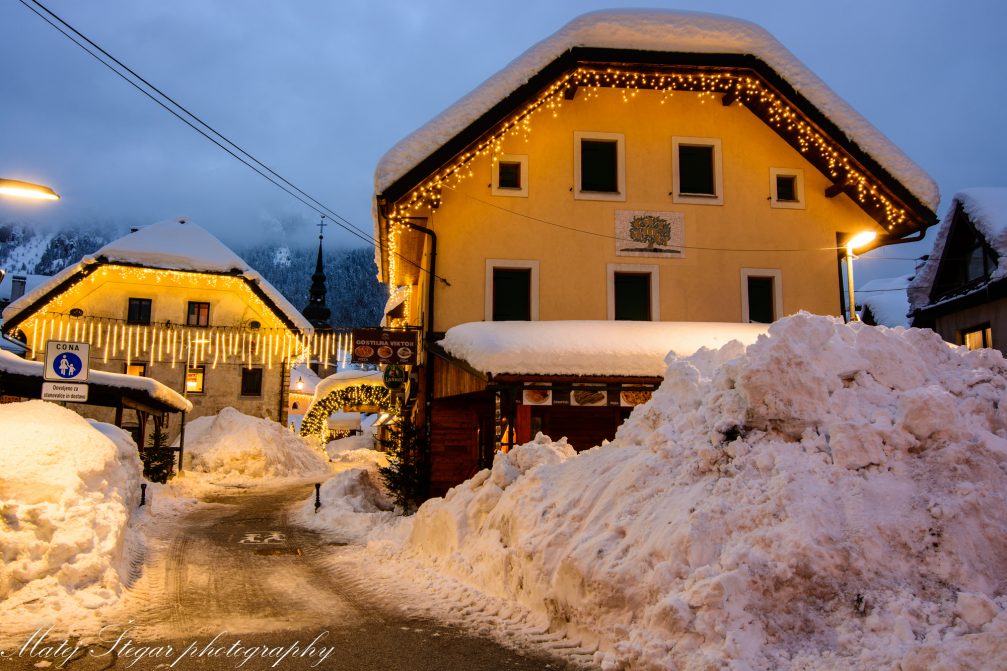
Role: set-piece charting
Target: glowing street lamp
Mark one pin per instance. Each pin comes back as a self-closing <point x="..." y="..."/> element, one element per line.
<point x="18" y="189"/>
<point x="856" y="242"/>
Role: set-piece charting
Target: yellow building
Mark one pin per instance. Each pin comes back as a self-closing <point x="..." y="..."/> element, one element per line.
<point x="171" y="302"/>
<point x="638" y="165"/>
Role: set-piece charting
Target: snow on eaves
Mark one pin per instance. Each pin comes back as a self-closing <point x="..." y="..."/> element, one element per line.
<point x="350" y="377"/>
<point x="577" y="347"/>
<point x="656" y="30"/>
<point x="176" y="244"/>
<point x="986" y="207"/>
<point x="886" y="297"/>
<point x="13" y="364"/>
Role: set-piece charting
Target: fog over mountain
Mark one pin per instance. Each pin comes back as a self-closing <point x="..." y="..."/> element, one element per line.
<point x="353" y="293"/>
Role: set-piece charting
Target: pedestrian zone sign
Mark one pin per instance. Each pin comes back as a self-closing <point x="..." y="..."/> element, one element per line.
<point x="67" y="361"/>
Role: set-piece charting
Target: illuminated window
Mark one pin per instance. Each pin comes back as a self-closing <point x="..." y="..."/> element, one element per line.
<point x="761" y="295"/>
<point x="199" y="314"/>
<point x="696" y="170"/>
<point x="599" y="166"/>
<point x="139" y="369"/>
<point x="786" y="188"/>
<point x="510" y="176"/>
<point x="139" y="311"/>
<point x="251" y="381"/>
<point x="633" y="292"/>
<point x="194" y="377"/>
<point x="511" y="290"/>
<point x="977" y="337"/>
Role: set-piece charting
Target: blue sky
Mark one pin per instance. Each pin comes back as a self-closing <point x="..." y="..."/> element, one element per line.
<point x="320" y="90"/>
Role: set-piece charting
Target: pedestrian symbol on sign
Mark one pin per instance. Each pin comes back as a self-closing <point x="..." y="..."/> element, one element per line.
<point x="67" y="365"/>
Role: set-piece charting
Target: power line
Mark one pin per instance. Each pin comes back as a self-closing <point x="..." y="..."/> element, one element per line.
<point x="260" y="168"/>
<point x="616" y="238"/>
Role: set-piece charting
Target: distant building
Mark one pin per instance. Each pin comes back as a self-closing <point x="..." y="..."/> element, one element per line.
<point x="646" y="166"/>
<point x="961" y="291"/>
<point x="171" y="302"/>
<point x="883" y="302"/>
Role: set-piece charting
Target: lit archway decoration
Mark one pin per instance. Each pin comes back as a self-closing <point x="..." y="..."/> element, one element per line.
<point x="315" y="422"/>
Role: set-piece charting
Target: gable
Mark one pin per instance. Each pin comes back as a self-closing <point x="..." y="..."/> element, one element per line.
<point x="967" y="260"/>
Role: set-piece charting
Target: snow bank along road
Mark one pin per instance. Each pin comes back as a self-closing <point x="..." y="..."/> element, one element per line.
<point x="234" y="585"/>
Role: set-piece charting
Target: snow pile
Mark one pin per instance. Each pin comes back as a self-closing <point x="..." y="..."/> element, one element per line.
<point x="354" y="501"/>
<point x="986" y="208"/>
<point x="584" y="347"/>
<point x="67" y="491"/>
<point x="833" y="497"/>
<point x="242" y="447"/>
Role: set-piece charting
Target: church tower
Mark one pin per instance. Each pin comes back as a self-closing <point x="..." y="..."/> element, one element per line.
<point x="316" y="311"/>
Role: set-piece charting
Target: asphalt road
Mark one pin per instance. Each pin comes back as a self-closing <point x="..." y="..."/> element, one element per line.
<point x="237" y="586"/>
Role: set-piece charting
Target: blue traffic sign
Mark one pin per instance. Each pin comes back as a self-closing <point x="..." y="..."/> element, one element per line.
<point x="67" y="365"/>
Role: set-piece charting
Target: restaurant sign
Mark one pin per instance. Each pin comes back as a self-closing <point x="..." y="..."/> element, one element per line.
<point x="385" y="346"/>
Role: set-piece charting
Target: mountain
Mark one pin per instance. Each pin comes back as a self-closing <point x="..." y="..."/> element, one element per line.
<point x="353" y="293"/>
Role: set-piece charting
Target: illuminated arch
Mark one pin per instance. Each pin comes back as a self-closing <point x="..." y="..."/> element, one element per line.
<point x="315" y="422"/>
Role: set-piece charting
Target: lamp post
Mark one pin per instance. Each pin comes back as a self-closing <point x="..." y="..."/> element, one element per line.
<point x="856" y="242"/>
<point x="17" y="189"/>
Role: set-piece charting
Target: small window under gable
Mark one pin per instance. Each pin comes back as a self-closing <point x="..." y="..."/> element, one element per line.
<point x="967" y="259"/>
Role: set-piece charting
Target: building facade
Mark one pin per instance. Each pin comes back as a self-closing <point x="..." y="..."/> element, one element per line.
<point x="639" y="166"/>
<point x="170" y="302"/>
<point x="961" y="290"/>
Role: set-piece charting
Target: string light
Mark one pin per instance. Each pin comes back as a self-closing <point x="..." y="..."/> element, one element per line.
<point x="315" y="422"/>
<point x="742" y="86"/>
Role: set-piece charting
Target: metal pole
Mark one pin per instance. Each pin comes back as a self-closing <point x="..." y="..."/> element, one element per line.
<point x="849" y="280"/>
<point x="143" y="493"/>
<point x="318" y="496"/>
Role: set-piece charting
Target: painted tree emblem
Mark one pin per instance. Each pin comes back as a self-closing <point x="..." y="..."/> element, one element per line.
<point x="651" y="230"/>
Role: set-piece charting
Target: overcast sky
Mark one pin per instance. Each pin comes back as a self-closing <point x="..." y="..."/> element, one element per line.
<point x="319" y="90"/>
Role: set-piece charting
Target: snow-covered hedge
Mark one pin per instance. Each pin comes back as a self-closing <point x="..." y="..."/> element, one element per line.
<point x="833" y="497"/>
<point x="67" y="490"/>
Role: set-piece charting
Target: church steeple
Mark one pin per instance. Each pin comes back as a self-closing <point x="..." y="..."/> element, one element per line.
<point x="316" y="311"/>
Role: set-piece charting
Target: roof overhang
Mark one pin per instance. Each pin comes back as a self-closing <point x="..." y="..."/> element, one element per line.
<point x="735" y="78"/>
<point x="88" y="268"/>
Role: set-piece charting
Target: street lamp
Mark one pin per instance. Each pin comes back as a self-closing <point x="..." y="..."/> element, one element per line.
<point x="856" y="242"/>
<point x="18" y="189"/>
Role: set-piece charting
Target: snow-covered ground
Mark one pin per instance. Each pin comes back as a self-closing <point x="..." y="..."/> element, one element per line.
<point x="835" y="496"/>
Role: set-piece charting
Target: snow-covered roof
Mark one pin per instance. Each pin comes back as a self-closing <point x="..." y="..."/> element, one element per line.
<point x="886" y="297"/>
<point x="175" y="244"/>
<point x="986" y="207"/>
<point x="15" y="365"/>
<point x="614" y="348"/>
<point x="302" y="373"/>
<point x="666" y="31"/>
<point x="31" y="281"/>
<point x="348" y="378"/>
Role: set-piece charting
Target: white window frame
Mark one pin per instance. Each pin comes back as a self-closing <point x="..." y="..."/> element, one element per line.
<point x="496" y="189"/>
<point x="798" y="175"/>
<point x="620" y="153"/>
<point x="640" y="269"/>
<point x="718" y="171"/>
<point x="510" y="264"/>
<point x="777" y="276"/>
